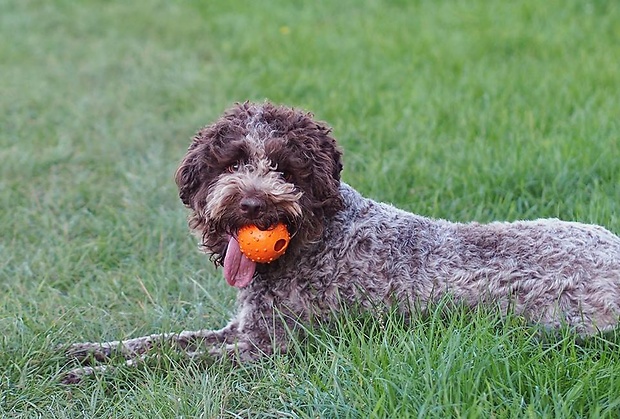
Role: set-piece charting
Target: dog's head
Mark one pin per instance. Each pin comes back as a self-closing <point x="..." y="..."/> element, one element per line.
<point x="259" y="164"/>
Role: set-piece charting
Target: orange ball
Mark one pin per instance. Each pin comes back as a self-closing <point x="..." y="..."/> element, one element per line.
<point x="263" y="246"/>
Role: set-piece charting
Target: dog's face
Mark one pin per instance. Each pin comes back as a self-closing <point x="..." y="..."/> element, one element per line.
<point x="259" y="164"/>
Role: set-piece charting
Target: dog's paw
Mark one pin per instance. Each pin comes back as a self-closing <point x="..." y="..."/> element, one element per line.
<point x="75" y="376"/>
<point x="78" y="375"/>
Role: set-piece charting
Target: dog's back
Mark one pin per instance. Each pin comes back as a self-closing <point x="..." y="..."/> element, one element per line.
<point x="550" y="271"/>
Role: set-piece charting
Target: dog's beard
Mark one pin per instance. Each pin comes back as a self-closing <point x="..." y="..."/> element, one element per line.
<point x="224" y="218"/>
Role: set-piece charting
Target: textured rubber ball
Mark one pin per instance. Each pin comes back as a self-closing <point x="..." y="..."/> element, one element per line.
<point x="263" y="246"/>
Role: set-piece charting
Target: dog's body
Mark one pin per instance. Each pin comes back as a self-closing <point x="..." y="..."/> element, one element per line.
<point x="262" y="164"/>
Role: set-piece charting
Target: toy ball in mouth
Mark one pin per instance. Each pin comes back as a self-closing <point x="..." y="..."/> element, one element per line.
<point x="263" y="246"/>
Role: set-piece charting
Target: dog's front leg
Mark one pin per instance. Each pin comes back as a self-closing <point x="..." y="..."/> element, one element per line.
<point x="186" y="341"/>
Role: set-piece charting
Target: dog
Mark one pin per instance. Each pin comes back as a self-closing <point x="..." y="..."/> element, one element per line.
<point x="264" y="164"/>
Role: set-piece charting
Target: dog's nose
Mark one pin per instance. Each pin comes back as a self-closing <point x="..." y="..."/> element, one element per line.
<point x="251" y="207"/>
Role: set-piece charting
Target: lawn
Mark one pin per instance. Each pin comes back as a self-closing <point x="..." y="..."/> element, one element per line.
<point x="475" y="110"/>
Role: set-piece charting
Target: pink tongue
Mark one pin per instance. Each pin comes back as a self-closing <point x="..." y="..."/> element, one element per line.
<point x="238" y="269"/>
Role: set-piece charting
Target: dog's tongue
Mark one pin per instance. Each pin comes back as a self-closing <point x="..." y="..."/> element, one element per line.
<point x="238" y="269"/>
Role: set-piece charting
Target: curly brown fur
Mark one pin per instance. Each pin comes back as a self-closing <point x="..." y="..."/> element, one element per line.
<point x="265" y="153"/>
<point x="261" y="164"/>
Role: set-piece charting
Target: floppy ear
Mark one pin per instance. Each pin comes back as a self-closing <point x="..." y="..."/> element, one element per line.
<point x="187" y="176"/>
<point x="327" y="165"/>
<point x="208" y="154"/>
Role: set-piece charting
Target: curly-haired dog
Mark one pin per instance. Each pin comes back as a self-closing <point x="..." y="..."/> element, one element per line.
<point x="262" y="164"/>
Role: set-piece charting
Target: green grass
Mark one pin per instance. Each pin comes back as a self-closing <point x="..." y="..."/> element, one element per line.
<point x="474" y="110"/>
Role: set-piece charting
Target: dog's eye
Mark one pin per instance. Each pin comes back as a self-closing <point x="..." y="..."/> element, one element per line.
<point x="286" y="176"/>
<point x="234" y="167"/>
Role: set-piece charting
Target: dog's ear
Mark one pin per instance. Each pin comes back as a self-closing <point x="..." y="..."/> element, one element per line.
<point x="311" y="153"/>
<point x="187" y="176"/>
<point x="211" y="150"/>
<point x="327" y="167"/>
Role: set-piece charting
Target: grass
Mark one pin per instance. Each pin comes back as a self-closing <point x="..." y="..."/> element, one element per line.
<point x="474" y="110"/>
